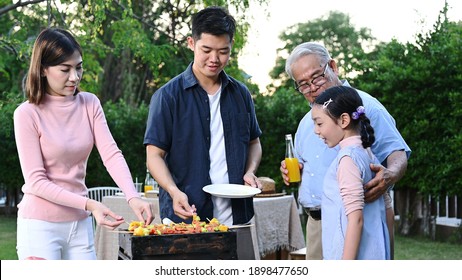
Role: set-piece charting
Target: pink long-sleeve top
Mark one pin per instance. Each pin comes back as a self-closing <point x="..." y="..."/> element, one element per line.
<point x="350" y="182"/>
<point x="54" y="140"/>
<point x="349" y="178"/>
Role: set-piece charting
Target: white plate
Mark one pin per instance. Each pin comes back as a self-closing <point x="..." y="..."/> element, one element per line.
<point x="122" y="194"/>
<point x="231" y="190"/>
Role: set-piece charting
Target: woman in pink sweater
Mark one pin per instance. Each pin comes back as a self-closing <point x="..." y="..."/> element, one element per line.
<point x="55" y="130"/>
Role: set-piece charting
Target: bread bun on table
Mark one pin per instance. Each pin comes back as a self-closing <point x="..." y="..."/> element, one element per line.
<point x="268" y="185"/>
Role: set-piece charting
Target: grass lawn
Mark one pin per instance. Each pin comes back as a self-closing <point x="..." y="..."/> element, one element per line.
<point x="419" y="248"/>
<point x="406" y="248"/>
<point x="8" y="238"/>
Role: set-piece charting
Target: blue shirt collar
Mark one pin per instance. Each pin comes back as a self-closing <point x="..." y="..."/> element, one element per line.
<point x="190" y="79"/>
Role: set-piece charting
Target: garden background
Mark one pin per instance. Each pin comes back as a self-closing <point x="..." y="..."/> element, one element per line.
<point x="131" y="48"/>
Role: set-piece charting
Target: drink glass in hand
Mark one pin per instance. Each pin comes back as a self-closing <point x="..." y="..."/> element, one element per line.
<point x="291" y="161"/>
<point x="294" y="170"/>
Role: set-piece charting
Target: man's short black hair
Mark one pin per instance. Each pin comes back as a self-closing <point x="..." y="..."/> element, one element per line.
<point x="213" y="20"/>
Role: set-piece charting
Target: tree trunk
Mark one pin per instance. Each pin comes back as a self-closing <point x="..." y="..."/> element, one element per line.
<point x="112" y="86"/>
<point x="414" y="213"/>
<point x="13" y="197"/>
<point x="426" y="225"/>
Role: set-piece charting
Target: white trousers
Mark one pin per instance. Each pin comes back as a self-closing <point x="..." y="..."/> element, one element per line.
<point x="55" y="241"/>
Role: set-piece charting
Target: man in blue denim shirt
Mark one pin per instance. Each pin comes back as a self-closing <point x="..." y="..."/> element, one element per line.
<point x="202" y="129"/>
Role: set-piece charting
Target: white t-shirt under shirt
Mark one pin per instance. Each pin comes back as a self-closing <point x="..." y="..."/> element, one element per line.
<point x="218" y="168"/>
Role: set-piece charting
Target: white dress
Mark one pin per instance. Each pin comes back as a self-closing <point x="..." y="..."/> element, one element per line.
<point x="375" y="242"/>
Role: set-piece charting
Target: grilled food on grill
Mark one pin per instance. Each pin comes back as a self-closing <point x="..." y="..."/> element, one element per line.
<point x="196" y="226"/>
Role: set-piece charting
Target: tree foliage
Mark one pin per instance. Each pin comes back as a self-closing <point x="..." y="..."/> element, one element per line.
<point x="10" y="172"/>
<point x="278" y="115"/>
<point x="421" y="84"/>
<point x="335" y="31"/>
<point x="131" y="48"/>
<point x="127" y="125"/>
<point x="280" y="112"/>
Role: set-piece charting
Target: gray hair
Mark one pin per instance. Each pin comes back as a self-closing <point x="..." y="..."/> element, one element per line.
<point x="305" y="49"/>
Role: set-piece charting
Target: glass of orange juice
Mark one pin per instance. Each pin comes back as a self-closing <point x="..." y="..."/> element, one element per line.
<point x="148" y="188"/>
<point x="294" y="170"/>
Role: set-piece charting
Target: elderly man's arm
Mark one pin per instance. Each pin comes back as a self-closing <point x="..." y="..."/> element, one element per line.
<point x="386" y="177"/>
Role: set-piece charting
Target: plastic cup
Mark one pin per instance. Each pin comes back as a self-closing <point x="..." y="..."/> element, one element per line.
<point x="148" y="188"/>
<point x="139" y="187"/>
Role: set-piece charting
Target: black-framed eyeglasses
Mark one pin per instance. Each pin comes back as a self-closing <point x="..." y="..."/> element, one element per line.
<point x="317" y="81"/>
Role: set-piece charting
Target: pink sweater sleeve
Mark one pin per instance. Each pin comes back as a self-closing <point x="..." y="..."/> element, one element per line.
<point x="111" y="155"/>
<point x="351" y="185"/>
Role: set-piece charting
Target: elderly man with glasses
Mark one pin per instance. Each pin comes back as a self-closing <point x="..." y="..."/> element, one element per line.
<point x="313" y="71"/>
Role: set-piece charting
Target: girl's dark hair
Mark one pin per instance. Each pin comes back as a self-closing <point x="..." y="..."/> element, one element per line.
<point x="342" y="99"/>
<point x="213" y="20"/>
<point x="52" y="47"/>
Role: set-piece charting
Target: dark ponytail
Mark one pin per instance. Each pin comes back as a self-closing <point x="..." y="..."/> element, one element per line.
<point x="367" y="131"/>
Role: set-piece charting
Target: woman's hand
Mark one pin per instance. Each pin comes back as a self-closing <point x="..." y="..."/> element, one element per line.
<point x="103" y="215"/>
<point x="142" y="208"/>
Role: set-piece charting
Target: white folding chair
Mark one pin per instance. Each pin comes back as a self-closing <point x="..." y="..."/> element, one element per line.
<point x="97" y="193"/>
